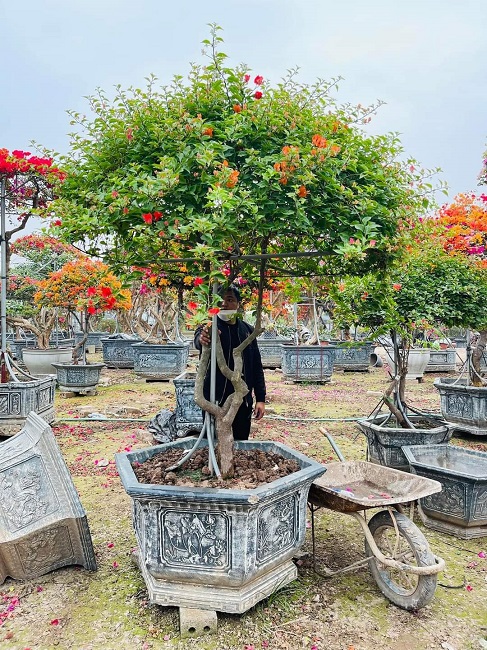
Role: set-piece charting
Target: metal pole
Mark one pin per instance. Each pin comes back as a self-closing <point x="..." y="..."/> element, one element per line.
<point x="3" y="267"/>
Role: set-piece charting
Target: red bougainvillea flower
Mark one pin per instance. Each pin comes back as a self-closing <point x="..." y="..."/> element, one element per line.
<point x="213" y="311"/>
<point x="237" y="108"/>
<point x="258" y="80"/>
<point x="125" y="210"/>
<point x="147" y="217"/>
<point x="364" y="296"/>
<point x="198" y="281"/>
<point x="106" y="292"/>
<point x="157" y="215"/>
<point x="91" y="310"/>
<point x="246" y="78"/>
<point x="58" y="222"/>
<point x="114" y="194"/>
<point x="226" y="272"/>
<point x="258" y="94"/>
<point x="91" y="291"/>
<point x="192" y="305"/>
<point x="130" y="133"/>
<point x="396" y="286"/>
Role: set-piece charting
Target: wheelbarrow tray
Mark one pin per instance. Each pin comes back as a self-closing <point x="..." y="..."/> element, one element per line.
<point x="351" y="486"/>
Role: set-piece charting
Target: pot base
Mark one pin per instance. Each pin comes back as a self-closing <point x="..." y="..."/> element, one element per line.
<point x="448" y="527"/>
<point x="235" y="600"/>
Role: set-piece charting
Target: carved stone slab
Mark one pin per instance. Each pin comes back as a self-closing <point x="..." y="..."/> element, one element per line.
<point x="218" y="549"/>
<point x="460" y="509"/>
<point x="42" y="523"/>
<point x="464" y="406"/>
<point x="18" y="399"/>
<point x="308" y="362"/>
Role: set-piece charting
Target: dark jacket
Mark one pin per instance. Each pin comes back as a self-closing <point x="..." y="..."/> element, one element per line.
<point x="253" y="372"/>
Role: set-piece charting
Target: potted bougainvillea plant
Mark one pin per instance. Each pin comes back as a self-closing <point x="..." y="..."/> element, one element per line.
<point x="244" y="176"/>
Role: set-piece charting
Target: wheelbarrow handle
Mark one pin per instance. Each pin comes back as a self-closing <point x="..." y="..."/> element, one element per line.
<point x="332" y="442"/>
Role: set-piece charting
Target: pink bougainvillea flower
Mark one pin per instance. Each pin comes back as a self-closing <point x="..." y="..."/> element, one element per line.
<point x="469" y="588"/>
<point x="372" y="243"/>
<point x="482" y="554"/>
<point x="351" y="240"/>
<point x="143" y="289"/>
<point x="258" y="94"/>
<point x="198" y="281"/>
<point x="213" y="311"/>
<point x="55" y="621"/>
<point x="226" y="272"/>
<point x="115" y="565"/>
<point x="147" y="217"/>
<point x="114" y="194"/>
<point x="396" y="286"/>
<point x="246" y="78"/>
<point x="259" y="79"/>
<point x="110" y="545"/>
<point x="129" y="133"/>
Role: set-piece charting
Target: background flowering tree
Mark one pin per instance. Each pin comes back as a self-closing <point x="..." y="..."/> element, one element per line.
<point x="244" y="176"/>
<point x="40" y="255"/>
<point x="85" y="286"/>
<point x="462" y="227"/>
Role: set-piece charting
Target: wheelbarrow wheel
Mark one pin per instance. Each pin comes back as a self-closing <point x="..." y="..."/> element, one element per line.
<point x="404" y="589"/>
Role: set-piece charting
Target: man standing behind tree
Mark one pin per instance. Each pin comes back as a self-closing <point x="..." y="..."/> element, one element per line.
<point x="233" y="331"/>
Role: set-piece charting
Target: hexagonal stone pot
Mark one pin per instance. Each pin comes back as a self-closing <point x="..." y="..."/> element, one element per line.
<point x="158" y="362"/>
<point x="460" y="509"/>
<point x="80" y="378"/>
<point x="385" y="442"/>
<point x="19" y="398"/>
<point x="463" y="405"/>
<point x="42" y="523"/>
<point x="312" y="363"/>
<point x="218" y="549"/>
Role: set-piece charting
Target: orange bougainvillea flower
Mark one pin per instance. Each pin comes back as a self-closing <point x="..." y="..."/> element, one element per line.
<point x="302" y="192"/>
<point x="208" y="131"/>
<point x="319" y="141"/>
<point x="237" y="108"/>
<point x="396" y="286"/>
<point x="233" y="178"/>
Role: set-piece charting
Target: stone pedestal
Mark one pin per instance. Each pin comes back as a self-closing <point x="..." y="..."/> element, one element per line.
<point x="42" y="523"/>
<point x="218" y="549"/>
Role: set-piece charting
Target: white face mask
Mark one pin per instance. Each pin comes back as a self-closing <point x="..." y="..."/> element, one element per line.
<point x="227" y="314"/>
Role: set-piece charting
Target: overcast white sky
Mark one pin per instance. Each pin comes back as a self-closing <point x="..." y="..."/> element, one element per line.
<point x="425" y="58"/>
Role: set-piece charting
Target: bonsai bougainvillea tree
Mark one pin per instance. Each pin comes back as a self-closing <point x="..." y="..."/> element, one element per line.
<point x="426" y="288"/>
<point x="85" y="286"/>
<point x="40" y="255"/>
<point x="244" y="176"/>
<point x="462" y="228"/>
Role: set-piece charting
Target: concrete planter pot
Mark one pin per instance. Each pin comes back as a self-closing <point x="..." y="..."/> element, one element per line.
<point x="308" y="362"/>
<point x="353" y="357"/>
<point x="384" y="442"/>
<point x="81" y="378"/>
<point x="160" y="362"/>
<point x="442" y="361"/>
<point x="460" y="509"/>
<point x="271" y="350"/>
<point x="42" y="523"/>
<point x="462" y="405"/>
<point x="418" y="359"/>
<point x="118" y="352"/>
<point x="19" y="398"/>
<point x="217" y="549"/>
<point x="39" y="362"/>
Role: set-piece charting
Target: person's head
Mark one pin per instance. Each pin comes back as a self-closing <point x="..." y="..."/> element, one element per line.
<point x="230" y="298"/>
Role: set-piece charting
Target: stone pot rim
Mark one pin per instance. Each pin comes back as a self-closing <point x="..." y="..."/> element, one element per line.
<point x="375" y="423"/>
<point x="409" y="452"/>
<point x="78" y="365"/>
<point x="457" y="384"/>
<point x="310" y="469"/>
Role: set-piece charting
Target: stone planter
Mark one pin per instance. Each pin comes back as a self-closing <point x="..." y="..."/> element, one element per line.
<point x="271" y="350"/>
<point x="217" y="549"/>
<point x="17" y="346"/>
<point x="384" y="442"/>
<point x="39" y="362"/>
<point x="442" y="360"/>
<point x="353" y="357"/>
<point x="19" y="398"/>
<point x="418" y="359"/>
<point x="118" y="351"/>
<point x="42" y="523"/>
<point x="94" y="339"/>
<point x="308" y="362"/>
<point x="462" y="405"/>
<point x="460" y="509"/>
<point x="160" y="362"/>
<point x="78" y="378"/>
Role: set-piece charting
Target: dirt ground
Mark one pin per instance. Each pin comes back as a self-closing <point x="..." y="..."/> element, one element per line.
<point x="76" y="609"/>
